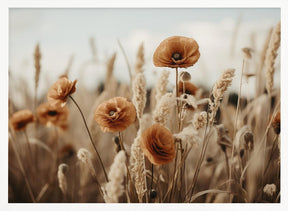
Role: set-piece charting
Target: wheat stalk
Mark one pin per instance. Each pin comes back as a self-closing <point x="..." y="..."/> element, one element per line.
<point x="114" y="188"/>
<point x="109" y="71"/>
<point x="139" y="94"/>
<point x="260" y="82"/>
<point x="61" y="174"/>
<point x="161" y="85"/>
<point x="271" y="56"/>
<point x="140" y="59"/>
<point x="218" y="92"/>
<point x="137" y="166"/>
<point x="37" y="65"/>
<point x="164" y="109"/>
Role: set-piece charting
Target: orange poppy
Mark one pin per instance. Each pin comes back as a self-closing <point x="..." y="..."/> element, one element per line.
<point x="20" y="119"/>
<point x="60" y="91"/>
<point x="158" y="145"/>
<point x="55" y="115"/>
<point x="115" y="115"/>
<point x="176" y="51"/>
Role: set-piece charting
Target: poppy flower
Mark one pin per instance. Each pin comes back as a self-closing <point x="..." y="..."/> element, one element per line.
<point x="20" y="119"/>
<point x="190" y="88"/>
<point x="158" y="145"/>
<point x="176" y="51"/>
<point x="53" y="115"/>
<point x="60" y="91"/>
<point x="115" y="115"/>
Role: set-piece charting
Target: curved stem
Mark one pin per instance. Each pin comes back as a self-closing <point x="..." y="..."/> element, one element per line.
<point x="90" y="136"/>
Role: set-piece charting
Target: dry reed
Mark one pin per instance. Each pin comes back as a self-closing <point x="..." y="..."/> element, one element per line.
<point x="271" y="55"/>
<point x="161" y="85"/>
<point x="137" y="168"/>
<point x="37" y="65"/>
<point x="62" y="170"/>
<point x="140" y="60"/>
<point x="164" y="109"/>
<point x="218" y="92"/>
<point x="139" y="94"/>
<point x="114" y="188"/>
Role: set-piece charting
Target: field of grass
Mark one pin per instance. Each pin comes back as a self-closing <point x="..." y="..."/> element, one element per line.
<point x="152" y="145"/>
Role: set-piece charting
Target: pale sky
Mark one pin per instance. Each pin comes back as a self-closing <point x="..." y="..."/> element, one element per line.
<point x="63" y="32"/>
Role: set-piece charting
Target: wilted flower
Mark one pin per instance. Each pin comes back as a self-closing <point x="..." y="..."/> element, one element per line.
<point x="115" y="115"/>
<point x="60" y="91"/>
<point x="53" y="115"/>
<point x="20" y="119"/>
<point x="176" y="51"/>
<point x="158" y="145"/>
<point x="190" y="88"/>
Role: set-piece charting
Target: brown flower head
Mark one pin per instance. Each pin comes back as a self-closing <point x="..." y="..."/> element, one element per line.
<point x="115" y="115"/>
<point x="157" y="144"/>
<point x="20" y="119"/>
<point x="190" y="88"/>
<point x="60" y="90"/>
<point x="276" y="123"/>
<point x="53" y="115"/>
<point x="176" y="51"/>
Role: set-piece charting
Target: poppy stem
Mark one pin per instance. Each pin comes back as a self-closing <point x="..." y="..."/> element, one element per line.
<point x="90" y="136"/>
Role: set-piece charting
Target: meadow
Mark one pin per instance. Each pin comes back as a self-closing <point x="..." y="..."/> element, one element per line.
<point x="126" y="143"/>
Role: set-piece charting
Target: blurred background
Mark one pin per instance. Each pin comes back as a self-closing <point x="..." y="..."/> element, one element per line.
<point x="69" y="33"/>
